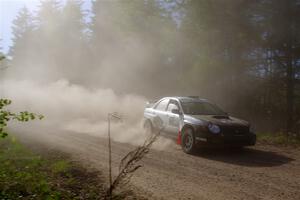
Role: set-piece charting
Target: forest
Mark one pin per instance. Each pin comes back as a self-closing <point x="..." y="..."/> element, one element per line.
<point x="241" y="54"/>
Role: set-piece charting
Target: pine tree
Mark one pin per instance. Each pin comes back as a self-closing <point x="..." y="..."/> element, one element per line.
<point x="22" y="30"/>
<point x="3" y="63"/>
<point x="136" y="34"/>
<point x="281" y="39"/>
<point x="74" y="48"/>
<point x="218" y="36"/>
<point x="48" y="40"/>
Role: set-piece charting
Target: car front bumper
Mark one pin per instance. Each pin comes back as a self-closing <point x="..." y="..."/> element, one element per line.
<point x="233" y="140"/>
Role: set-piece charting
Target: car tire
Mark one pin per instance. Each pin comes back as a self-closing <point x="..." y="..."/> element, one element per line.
<point x="148" y="127"/>
<point x="188" y="142"/>
<point x="253" y="140"/>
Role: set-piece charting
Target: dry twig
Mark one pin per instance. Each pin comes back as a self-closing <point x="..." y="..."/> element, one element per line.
<point x="129" y="164"/>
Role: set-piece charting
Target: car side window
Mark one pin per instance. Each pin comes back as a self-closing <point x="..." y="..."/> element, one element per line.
<point x="172" y="106"/>
<point x="162" y="105"/>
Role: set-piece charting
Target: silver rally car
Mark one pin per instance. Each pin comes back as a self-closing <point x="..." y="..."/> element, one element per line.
<point x="196" y="122"/>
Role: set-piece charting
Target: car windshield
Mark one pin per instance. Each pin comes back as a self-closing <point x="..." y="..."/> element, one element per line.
<point x="201" y="108"/>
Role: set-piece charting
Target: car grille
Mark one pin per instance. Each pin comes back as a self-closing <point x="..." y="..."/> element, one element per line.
<point x="234" y="130"/>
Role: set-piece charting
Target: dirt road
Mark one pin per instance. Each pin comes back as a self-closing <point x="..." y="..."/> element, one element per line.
<point x="263" y="172"/>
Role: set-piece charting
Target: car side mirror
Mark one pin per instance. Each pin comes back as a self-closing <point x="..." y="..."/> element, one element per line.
<point x="176" y="111"/>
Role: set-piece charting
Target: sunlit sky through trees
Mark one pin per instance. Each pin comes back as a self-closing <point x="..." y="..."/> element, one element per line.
<point x="243" y="55"/>
<point x="9" y="10"/>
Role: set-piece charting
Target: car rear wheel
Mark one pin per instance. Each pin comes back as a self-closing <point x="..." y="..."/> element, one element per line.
<point x="188" y="141"/>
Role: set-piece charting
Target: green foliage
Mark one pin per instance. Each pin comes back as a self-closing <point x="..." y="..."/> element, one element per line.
<point x="61" y="167"/>
<point x="21" y="173"/>
<point x="2" y="57"/>
<point x="26" y="175"/>
<point x="6" y="116"/>
<point x="279" y="138"/>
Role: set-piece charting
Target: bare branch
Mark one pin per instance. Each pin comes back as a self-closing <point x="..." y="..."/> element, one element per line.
<point x="129" y="164"/>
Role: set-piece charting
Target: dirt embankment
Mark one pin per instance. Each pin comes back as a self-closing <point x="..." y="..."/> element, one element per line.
<point x="262" y="172"/>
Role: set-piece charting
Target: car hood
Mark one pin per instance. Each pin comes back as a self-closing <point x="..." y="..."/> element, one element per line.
<point x="218" y="120"/>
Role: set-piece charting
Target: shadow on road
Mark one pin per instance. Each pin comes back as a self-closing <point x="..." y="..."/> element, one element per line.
<point x="245" y="157"/>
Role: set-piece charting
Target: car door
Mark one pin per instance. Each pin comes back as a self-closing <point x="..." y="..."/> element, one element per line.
<point x="173" y="119"/>
<point x="161" y="117"/>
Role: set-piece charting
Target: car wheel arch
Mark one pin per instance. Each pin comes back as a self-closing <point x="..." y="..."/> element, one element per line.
<point x="187" y="126"/>
<point x="148" y="121"/>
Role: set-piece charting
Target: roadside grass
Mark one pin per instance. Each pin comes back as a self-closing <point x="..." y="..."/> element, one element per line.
<point x="279" y="138"/>
<point x="25" y="175"/>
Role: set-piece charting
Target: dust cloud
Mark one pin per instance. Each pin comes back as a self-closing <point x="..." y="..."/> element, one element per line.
<point x="74" y="108"/>
<point x="75" y="80"/>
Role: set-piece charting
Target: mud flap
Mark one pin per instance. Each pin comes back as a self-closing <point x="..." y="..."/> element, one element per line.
<point x="179" y="138"/>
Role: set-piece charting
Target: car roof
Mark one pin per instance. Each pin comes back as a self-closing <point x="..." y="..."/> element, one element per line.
<point x="189" y="99"/>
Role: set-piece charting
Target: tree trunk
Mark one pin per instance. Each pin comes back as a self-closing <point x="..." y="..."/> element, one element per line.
<point x="290" y="74"/>
<point x="290" y="97"/>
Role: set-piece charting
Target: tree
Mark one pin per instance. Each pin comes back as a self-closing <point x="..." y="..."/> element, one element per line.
<point x="280" y="39"/>
<point x="74" y="49"/>
<point x="132" y="38"/>
<point x="2" y="57"/>
<point x="6" y="116"/>
<point x="218" y="37"/>
<point x="22" y="31"/>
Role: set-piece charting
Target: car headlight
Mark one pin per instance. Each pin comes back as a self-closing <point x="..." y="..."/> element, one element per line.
<point x="214" y="128"/>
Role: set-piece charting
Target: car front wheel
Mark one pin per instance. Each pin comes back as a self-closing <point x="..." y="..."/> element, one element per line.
<point x="188" y="141"/>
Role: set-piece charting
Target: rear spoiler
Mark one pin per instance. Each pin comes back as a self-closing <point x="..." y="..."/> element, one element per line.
<point x="150" y="104"/>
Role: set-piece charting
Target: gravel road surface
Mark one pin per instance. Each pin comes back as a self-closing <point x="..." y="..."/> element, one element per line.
<point x="260" y="172"/>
